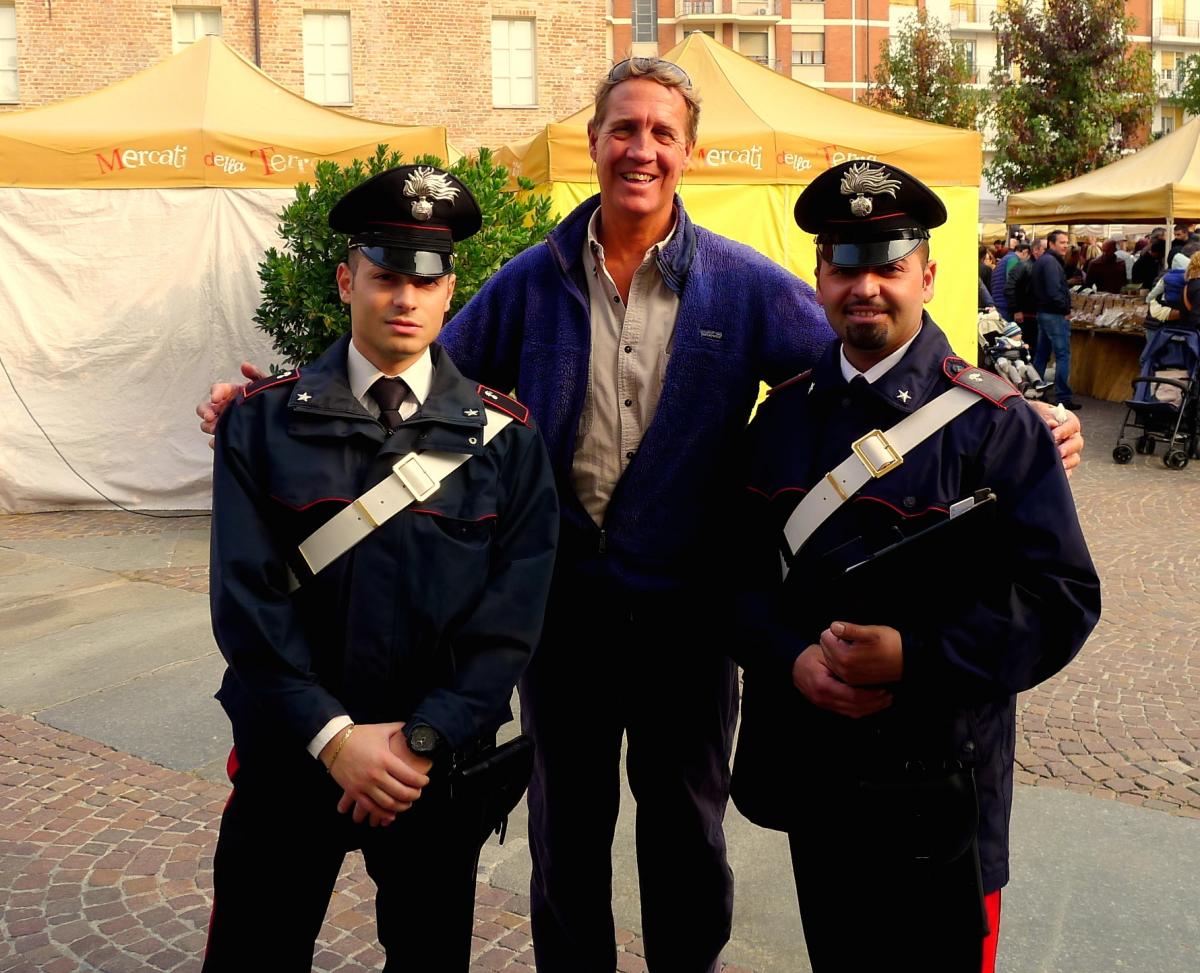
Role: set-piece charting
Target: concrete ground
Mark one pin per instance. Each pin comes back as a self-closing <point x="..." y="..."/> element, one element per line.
<point x="112" y="754"/>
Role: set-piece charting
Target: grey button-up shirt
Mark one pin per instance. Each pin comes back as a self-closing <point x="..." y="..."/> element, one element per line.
<point x="631" y="345"/>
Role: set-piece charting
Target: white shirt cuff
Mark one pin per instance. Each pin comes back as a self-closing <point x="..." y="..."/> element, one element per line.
<point x="328" y="732"/>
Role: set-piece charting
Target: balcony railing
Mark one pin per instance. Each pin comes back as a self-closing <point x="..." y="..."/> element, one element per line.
<point x="727" y="8"/>
<point x="764" y="60"/>
<point x="1176" y="28"/>
<point x="971" y="13"/>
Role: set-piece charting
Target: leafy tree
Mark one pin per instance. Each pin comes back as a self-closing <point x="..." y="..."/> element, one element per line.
<point x="300" y="307"/>
<point x="923" y="74"/>
<point x="1071" y="92"/>
<point x="1187" y="70"/>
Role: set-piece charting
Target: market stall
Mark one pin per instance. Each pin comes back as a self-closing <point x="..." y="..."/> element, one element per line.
<point x="132" y="223"/>
<point x="763" y="138"/>
<point x="1158" y="184"/>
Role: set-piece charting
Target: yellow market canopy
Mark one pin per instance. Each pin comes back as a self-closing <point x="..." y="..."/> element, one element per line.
<point x="759" y="126"/>
<point x="763" y="137"/>
<point x="203" y="117"/>
<point x="1160" y="182"/>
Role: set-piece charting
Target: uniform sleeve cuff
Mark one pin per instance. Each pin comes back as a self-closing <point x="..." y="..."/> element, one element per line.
<point x="328" y="732"/>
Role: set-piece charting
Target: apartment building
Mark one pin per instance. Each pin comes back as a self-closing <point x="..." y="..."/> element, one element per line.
<point x="834" y="44"/>
<point x="489" y="71"/>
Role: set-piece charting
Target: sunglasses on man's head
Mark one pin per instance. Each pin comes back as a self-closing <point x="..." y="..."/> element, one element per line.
<point x="633" y="67"/>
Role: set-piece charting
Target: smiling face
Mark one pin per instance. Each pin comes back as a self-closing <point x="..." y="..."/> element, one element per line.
<point x="874" y="310"/>
<point x="393" y="317"/>
<point x="640" y="148"/>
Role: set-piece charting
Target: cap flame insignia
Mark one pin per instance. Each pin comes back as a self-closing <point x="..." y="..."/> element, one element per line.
<point x="423" y="183"/>
<point x="861" y="179"/>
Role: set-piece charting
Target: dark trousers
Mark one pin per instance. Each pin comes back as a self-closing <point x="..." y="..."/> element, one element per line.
<point x="612" y="665"/>
<point x="281" y="847"/>
<point x="862" y="914"/>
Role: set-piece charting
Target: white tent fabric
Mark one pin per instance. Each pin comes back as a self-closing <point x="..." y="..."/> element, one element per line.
<point x="119" y="309"/>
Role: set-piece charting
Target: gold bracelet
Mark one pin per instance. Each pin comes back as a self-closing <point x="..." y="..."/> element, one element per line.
<point x="338" y="749"/>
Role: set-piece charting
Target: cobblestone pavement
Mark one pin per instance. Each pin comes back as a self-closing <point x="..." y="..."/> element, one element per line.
<point x="106" y="864"/>
<point x="1122" y="722"/>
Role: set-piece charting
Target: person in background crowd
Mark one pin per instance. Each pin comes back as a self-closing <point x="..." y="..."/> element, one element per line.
<point x="1148" y="265"/>
<point x="1106" y="273"/>
<point x="987" y="263"/>
<point x="1125" y="255"/>
<point x="1185" y="233"/>
<point x="1053" y="300"/>
<point x="1020" y="292"/>
<point x="1003" y="268"/>
<point x="1073" y="265"/>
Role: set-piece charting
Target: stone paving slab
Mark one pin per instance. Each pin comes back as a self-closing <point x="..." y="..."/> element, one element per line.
<point x="106" y="864"/>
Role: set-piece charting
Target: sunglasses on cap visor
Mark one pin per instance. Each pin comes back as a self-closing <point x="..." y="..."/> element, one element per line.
<point x="633" y="67"/>
<point x="871" y="253"/>
<point x="414" y="263"/>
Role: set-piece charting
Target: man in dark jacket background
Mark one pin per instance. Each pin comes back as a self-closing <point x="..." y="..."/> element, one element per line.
<point x="1053" y="301"/>
<point x="1018" y="291"/>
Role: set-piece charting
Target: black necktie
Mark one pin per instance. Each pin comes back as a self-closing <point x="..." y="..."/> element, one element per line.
<point x="389" y="393"/>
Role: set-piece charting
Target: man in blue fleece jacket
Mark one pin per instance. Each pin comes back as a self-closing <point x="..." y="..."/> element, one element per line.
<point x="638" y="340"/>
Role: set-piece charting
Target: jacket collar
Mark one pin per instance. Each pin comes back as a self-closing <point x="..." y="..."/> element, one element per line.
<point x="566" y="242"/>
<point x="907" y="385"/>
<point x="447" y="419"/>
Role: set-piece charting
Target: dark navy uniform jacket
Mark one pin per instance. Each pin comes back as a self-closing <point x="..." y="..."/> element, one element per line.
<point x="431" y="618"/>
<point x="1032" y="597"/>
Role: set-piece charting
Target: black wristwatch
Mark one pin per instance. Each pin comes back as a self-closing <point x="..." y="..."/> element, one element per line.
<point x="423" y="739"/>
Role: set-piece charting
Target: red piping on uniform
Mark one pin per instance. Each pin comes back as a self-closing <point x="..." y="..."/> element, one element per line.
<point x="231" y="769"/>
<point x="892" y="506"/>
<point x="788" y="490"/>
<point x="270" y="385"/>
<point x="790" y="381"/>
<point x="311" y="503"/>
<point x="411" y="226"/>
<point x="991" y="903"/>
<point x="522" y="419"/>
<point x="761" y="493"/>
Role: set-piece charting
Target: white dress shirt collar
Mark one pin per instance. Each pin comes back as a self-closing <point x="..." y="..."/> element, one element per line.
<point x="362" y="374"/>
<point x="880" y="368"/>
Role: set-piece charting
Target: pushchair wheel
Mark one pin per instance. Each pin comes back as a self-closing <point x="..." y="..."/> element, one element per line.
<point x="1123" y="454"/>
<point x="1175" y="459"/>
<point x="1145" y="446"/>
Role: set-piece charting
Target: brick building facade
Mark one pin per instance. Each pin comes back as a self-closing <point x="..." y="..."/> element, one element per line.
<point x="490" y="72"/>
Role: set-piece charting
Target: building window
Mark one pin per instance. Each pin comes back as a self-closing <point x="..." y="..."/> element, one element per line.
<point x="1172" y="118"/>
<point x="327" y="58"/>
<point x="192" y="23"/>
<point x="8" y="54"/>
<point x="755" y="45"/>
<point x="1168" y="65"/>
<point x="808" y="48"/>
<point x="645" y="21"/>
<point x="967" y="49"/>
<point x="514" y="82"/>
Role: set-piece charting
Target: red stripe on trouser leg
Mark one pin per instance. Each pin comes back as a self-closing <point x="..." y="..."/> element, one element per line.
<point x="992" y="904"/>
<point x="231" y="769"/>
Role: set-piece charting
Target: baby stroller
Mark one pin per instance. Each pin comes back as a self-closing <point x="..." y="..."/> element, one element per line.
<point x="1166" y="399"/>
<point x="1003" y="351"/>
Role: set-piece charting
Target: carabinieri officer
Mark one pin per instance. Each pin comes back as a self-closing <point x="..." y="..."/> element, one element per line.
<point x="915" y="562"/>
<point x="382" y="544"/>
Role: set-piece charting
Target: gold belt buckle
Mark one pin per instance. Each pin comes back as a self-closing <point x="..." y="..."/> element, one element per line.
<point x="894" y="458"/>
